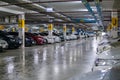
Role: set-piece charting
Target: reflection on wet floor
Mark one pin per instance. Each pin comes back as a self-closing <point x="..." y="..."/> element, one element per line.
<point x="58" y="61"/>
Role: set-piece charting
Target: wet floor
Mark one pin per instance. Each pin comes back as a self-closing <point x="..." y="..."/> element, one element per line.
<point x="59" y="61"/>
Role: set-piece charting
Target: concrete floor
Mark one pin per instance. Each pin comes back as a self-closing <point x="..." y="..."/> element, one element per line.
<point x="60" y="61"/>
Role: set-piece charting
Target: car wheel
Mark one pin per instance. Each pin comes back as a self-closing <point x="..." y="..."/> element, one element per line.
<point x="46" y="41"/>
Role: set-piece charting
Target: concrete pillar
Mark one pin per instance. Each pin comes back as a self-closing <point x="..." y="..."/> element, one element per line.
<point x="50" y="30"/>
<point x="64" y="31"/>
<point x="114" y="31"/>
<point x="109" y="29"/>
<point x="13" y="19"/>
<point x="73" y="30"/>
<point x="21" y="25"/>
<point x="6" y="19"/>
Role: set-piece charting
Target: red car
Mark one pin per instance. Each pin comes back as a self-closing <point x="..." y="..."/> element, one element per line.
<point x="39" y="40"/>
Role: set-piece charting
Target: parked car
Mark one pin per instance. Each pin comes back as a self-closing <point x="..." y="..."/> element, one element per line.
<point x="48" y="38"/>
<point x="56" y="37"/>
<point x="68" y="37"/>
<point x="103" y="45"/>
<point x="107" y="59"/>
<point x="3" y="45"/>
<point x="62" y="37"/>
<point x="38" y="39"/>
<point x="77" y="35"/>
<point x="111" y="74"/>
<point x="28" y="40"/>
<point x="44" y="39"/>
<point x="82" y="35"/>
<point x="73" y="37"/>
<point x="13" y="41"/>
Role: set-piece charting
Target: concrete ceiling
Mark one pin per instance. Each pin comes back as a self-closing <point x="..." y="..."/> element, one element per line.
<point x="116" y="4"/>
<point x="73" y="9"/>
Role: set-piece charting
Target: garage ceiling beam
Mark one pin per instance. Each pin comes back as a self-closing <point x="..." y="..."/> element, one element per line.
<point x="10" y="11"/>
<point x="38" y="2"/>
<point x="65" y="12"/>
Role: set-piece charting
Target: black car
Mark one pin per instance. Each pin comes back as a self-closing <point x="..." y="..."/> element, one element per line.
<point x="13" y="41"/>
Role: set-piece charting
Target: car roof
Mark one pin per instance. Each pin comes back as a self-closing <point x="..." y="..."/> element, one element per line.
<point x="13" y="33"/>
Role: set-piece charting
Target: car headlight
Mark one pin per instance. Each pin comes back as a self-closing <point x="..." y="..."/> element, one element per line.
<point x="106" y="62"/>
<point x="12" y="40"/>
<point x="26" y="39"/>
<point x="20" y="42"/>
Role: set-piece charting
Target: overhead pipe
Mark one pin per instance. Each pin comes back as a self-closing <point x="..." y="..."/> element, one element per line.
<point x="84" y="20"/>
<point x="36" y="7"/>
<point x="97" y="3"/>
<point x="87" y="5"/>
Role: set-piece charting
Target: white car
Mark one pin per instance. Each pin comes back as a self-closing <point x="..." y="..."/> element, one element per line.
<point x="82" y="35"/>
<point x="67" y="37"/>
<point x="73" y="37"/>
<point x="49" y="39"/>
<point x="103" y="46"/>
<point x="91" y="35"/>
<point x="52" y="39"/>
<point x="57" y="39"/>
<point x="3" y="45"/>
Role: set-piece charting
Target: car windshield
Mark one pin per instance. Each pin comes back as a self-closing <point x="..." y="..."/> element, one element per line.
<point x="13" y="33"/>
<point x="35" y="34"/>
<point x="44" y="34"/>
<point x="30" y="34"/>
<point x="6" y="34"/>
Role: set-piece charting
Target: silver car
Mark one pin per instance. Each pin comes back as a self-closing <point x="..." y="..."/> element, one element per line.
<point x="111" y="74"/>
<point x="103" y="46"/>
<point x="107" y="59"/>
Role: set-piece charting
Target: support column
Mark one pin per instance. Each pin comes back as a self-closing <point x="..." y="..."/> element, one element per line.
<point x="64" y="31"/>
<point x="73" y="30"/>
<point x="109" y="29"/>
<point x="21" y="25"/>
<point x="6" y="19"/>
<point x="114" y="32"/>
<point x="50" y="30"/>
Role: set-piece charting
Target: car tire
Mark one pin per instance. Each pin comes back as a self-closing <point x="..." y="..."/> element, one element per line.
<point x="1" y="49"/>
